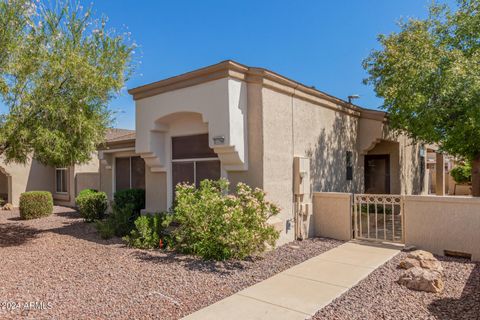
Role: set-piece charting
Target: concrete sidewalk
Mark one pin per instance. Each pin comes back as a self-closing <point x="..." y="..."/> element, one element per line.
<point x="299" y="292"/>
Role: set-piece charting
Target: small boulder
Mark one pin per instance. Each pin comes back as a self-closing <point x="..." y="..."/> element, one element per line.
<point x="423" y="259"/>
<point x="409" y="263"/>
<point x="420" y="279"/>
<point x="433" y="265"/>
<point x="421" y="255"/>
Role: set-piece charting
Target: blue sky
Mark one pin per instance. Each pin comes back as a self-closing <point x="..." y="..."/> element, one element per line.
<point x="318" y="42"/>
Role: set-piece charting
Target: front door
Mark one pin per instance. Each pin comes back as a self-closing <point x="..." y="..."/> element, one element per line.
<point x="377" y="174"/>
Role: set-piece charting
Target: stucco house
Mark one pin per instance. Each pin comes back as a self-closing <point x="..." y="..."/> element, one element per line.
<point x="63" y="183"/>
<point x="256" y="126"/>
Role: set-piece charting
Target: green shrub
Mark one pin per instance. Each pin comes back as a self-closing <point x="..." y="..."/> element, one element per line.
<point x="133" y="197"/>
<point x="92" y="204"/>
<point x="462" y="173"/>
<point x="86" y="191"/>
<point x="148" y="232"/>
<point x="119" y="223"/>
<point x="219" y="226"/>
<point x="35" y="204"/>
<point x="105" y="229"/>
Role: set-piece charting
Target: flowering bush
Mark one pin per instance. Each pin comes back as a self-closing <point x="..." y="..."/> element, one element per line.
<point x="218" y="226"/>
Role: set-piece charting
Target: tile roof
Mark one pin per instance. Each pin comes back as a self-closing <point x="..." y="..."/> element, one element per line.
<point x="116" y="134"/>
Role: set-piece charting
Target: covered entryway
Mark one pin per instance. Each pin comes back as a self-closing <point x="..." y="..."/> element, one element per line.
<point x="381" y="168"/>
<point x="377" y="174"/>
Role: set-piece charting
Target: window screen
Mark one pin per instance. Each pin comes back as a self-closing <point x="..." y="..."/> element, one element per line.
<point x="207" y="170"/>
<point x="138" y="173"/>
<point x="182" y="172"/>
<point x="191" y="147"/>
<point x="122" y="174"/>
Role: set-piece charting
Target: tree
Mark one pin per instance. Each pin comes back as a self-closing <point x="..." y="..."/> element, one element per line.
<point x="429" y="76"/>
<point x="59" y="68"/>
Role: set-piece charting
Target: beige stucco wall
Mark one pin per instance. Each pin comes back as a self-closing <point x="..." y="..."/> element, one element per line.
<point x="156" y="191"/>
<point x="28" y="177"/>
<point x="332" y="215"/>
<point x="436" y="224"/>
<point x="87" y="180"/>
<point x="278" y="156"/>
<point x="106" y="175"/>
<point x="254" y="175"/>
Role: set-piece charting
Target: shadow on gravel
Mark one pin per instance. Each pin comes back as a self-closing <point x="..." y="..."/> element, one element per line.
<point x="12" y="234"/>
<point x="84" y="231"/>
<point x="467" y="306"/>
<point x="193" y="263"/>
<point x="69" y="214"/>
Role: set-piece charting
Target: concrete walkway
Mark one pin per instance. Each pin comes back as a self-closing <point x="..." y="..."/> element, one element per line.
<point x="299" y="292"/>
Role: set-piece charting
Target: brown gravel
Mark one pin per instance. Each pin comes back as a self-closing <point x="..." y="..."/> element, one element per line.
<point x="61" y="261"/>
<point x="380" y="297"/>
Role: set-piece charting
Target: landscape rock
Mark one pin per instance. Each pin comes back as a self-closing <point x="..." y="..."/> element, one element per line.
<point x="409" y="263"/>
<point x="421" y="279"/>
<point x="8" y="207"/>
<point x="422" y="259"/>
<point x="433" y="265"/>
<point x="421" y="255"/>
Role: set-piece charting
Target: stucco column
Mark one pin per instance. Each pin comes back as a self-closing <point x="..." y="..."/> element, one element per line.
<point x="440" y="174"/>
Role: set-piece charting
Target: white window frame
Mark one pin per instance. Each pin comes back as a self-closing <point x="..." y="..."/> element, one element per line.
<point x="65" y="172"/>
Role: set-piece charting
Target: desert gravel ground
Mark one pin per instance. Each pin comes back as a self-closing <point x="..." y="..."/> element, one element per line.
<point x="59" y="268"/>
<point x="380" y="297"/>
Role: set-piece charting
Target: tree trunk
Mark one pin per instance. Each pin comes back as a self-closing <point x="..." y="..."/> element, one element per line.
<point x="476" y="176"/>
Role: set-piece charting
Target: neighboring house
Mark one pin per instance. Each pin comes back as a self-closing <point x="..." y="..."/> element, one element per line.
<point x="450" y="186"/>
<point x="63" y="183"/>
<point x="256" y="126"/>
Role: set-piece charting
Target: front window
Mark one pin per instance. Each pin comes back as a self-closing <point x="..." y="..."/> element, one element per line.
<point x="61" y="180"/>
<point x="193" y="160"/>
<point x="129" y="173"/>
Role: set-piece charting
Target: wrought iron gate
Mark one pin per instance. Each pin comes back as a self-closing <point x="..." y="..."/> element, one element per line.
<point x="378" y="217"/>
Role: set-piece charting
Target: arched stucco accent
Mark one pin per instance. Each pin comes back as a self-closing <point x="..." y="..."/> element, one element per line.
<point x="222" y="105"/>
